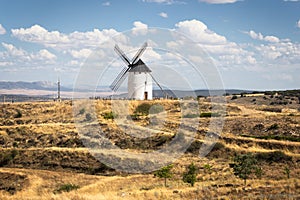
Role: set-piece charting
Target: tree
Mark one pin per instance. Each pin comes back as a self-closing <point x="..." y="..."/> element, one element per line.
<point x="190" y="176"/>
<point x="165" y="173"/>
<point x="244" y="165"/>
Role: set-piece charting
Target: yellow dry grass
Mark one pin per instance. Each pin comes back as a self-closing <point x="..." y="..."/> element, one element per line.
<point x="56" y="118"/>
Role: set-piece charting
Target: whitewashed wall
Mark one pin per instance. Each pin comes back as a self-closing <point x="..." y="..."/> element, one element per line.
<point x="137" y="87"/>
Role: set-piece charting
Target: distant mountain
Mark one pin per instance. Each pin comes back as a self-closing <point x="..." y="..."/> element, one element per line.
<point x="38" y="85"/>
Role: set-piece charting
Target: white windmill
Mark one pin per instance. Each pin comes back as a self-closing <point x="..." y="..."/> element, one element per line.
<point x="139" y="76"/>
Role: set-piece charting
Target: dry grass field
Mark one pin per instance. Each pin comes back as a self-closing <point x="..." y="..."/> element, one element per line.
<point x="42" y="155"/>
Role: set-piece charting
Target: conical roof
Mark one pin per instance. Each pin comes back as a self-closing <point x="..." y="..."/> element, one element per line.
<point x="139" y="66"/>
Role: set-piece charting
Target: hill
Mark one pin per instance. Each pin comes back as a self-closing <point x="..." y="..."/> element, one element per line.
<point x="42" y="153"/>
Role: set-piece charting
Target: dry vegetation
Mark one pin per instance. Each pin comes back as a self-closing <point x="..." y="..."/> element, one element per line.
<point x="43" y="157"/>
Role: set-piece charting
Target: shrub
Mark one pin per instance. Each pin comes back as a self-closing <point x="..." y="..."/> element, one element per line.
<point x="7" y="157"/>
<point x="287" y="171"/>
<point x="109" y="115"/>
<point x="66" y="188"/>
<point x="156" y="108"/>
<point x="244" y="165"/>
<point x="274" y="156"/>
<point x="271" y="109"/>
<point x="18" y="114"/>
<point x="234" y="97"/>
<point x="81" y="111"/>
<point x="143" y="109"/>
<point x="273" y="127"/>
<point x="209" y="114"/>
<point x="207" y="167"/>
<point x="88" y="117"/>
<point x="218" y="146"/>
<point x="190" y="176"/>
<point x="165" y="173"/>
<point x="190" y="115"/>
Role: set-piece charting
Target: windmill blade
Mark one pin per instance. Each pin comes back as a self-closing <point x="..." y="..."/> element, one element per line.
<point x="122" y="54"/>
<point x="119" y="79"/>
<point x="166" y="95"/>
<point x="139" y="53"/>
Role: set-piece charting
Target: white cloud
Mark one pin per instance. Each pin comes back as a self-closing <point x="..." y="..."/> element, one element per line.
<point x="13" y="51"/>
<point x="298" y="23"/>
<point x="60" y="41"/>
<point x="259" y="36"/>
<point x="218" y="1"/>
<point x="38" y="34"/>
<point x="18" y="55"/>
<point x="2" y="30"/>
<point x="199" y="32"/>
<point x="45" y="54"/>
<point x="4" y="63"/>
<point x="292" y="0"/>
<point x="106" y="3"/>
<point x="83" y="53"/>
<point x="139" y="28"/>
<point x="163" y="14"/>
<point x="224" y="52"/>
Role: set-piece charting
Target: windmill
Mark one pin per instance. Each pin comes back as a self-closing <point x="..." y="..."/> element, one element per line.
<point x="139" y="76"/>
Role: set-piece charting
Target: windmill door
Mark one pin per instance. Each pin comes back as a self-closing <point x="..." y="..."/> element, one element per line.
<point x="146" y="95"/>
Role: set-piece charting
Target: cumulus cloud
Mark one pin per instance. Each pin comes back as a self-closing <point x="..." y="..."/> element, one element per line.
<point x="163" y="15"/>
<point x="259" y="36"/>
<point x="39" y="34"/>
<point x="83" y="53"/>
<point x="139" y="28"/>
<point x="45" y="54"/>
<point x="2" y="30"/>
<point x="60" y="41"/>
<point x="15" y="55"/>
<point x="224" y="52"/>
<point x="199" y="32"/>
<point x="218" y="1"/>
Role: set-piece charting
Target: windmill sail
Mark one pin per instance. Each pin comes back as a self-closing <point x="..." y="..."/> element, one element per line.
<point x="139" y="53"/>
<point x="119" y="80"/>
<point x="122" y="54"/>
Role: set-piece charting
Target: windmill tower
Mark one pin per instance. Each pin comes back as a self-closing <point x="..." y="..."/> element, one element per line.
<point x="139" y="76"/>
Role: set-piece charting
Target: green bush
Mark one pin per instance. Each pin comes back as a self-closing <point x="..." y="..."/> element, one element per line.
<point x="146" y="109"/>
<point x="88" y="117"/>
<point x="156" y="108"/>
<point x="190" y="176"/>
<point x="271" y="109"/>
<point x="207" y="167"/>
<point x="274" y="156"/>
<point x="66" y="188"/>
<point x="209" y="114"/>
<point x="273" y="127"/>
<point x="244" y="165"/>
<point x="234" y="97"/>
<point x="81" y="111"/>
<point x="143" y="109"/>
<point x="164" y="172"/>
<point x="7" y="157"/>
<point x="18" y="114"/>
<point x="190" y="115"/>
<point x="109" y="115"/>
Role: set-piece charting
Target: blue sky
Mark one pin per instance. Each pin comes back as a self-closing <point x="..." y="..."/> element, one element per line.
<point x="254" y="43"/>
